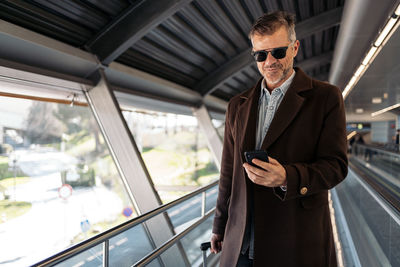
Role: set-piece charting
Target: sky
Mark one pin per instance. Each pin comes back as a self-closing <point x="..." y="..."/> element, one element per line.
<point x="13" y="111"/>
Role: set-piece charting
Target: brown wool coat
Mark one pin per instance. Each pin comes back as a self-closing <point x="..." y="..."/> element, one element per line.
<point x="308" y="137"/>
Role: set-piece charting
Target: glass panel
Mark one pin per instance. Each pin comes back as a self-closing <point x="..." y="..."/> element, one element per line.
<point x="129" y="247"/>
<point x="182" y="215"/>
<point x="220" y="126"/>
<point x="211" y="198"/>
<point x="191" y="242"/>
<point x="174" y="151"/>
<point x="170" y="251"/>
<point x="383" y="165"/>
<point x="58" y="182"/>
<point x="90" y="258"/>
<point x="374" y="231"/>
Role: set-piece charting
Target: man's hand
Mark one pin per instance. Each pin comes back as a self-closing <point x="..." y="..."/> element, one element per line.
<point x="272" y="174"/>
<point x="216" y="243"/>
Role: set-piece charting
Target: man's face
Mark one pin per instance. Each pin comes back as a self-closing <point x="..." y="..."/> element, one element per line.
<point x="275" y="71"/>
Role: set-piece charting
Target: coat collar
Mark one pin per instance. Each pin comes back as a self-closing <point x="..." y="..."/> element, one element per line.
<point x="248" y="112"/>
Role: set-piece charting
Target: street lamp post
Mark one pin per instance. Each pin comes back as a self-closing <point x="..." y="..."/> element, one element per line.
<point x="13" y="164"/>
<point x="15" y="178"/>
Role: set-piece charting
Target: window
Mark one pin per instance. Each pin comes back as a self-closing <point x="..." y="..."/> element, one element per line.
<point x="174" y="150"/>
<point x="58" y="182"/>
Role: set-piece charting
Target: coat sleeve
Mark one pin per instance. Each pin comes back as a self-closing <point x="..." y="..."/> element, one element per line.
<point x="225" y="181"/>
<point x="330" y="165"/>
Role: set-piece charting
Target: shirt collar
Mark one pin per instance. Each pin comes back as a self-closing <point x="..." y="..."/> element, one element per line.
<point x="284" y="86"/>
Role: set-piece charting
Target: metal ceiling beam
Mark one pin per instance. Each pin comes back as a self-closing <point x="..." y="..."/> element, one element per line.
<point x="224" y="72"/>
<point x="131" y="26"/>
<point x="315" y="61"/>
<point x="305" y="28"/>
<point x="22" y="52"/>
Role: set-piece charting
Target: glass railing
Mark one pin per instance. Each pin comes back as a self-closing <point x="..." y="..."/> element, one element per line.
<point x="369" y="225"/>
<point x="379" y="159"/>
<point x="129" y="244"/>
<point x="379" y="168"/>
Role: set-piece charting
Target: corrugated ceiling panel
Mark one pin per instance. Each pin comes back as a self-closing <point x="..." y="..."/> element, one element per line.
<point x="195" y="40"/>
<point x="305" y="9"/>
<point x="307" y="47"/>
<point x="173" y="45"/>
<point x="237" y="16"/>
<point x="222" y="94"/>
<point x="318" y="6"/>
<point x="72" y="22"/>
<point x="245" y="80"/>
<point x="81" y="13"/>
<point x="142" y="61"/>
<point x="271" y="5"/>
<point x="199" y="23"/>
<point x="291" y="6"/>
<point x="251" y="74"/>
<point x="213" y="12"/>
<point x="317" y="39"/>
<point x="252" y="8"/>
<point x="236" y="83"/>
<point x="156" y="52"/>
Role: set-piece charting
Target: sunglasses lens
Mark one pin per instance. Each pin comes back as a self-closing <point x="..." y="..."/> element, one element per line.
<point x="279" y="53"/>
<point x="260" y="56"/>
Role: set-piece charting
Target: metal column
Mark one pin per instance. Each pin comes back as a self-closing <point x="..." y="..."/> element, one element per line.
<point x="213" y="139"/>
<point x="130" y="163"/>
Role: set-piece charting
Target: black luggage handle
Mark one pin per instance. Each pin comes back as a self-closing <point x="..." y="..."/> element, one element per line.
<point x="205" y="246"/>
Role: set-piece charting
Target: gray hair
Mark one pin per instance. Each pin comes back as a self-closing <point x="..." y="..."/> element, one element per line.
<point x="269" y="23"/>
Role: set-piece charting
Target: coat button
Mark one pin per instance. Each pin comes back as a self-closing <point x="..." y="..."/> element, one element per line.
<point x="303" y="190"/>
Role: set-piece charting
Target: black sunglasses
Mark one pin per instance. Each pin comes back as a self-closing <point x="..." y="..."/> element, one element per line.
<point x="278" y="53"/>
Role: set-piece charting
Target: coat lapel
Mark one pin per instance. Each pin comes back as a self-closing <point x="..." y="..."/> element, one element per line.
<point x="247" y="119"/>
<point x="289" y="107"/>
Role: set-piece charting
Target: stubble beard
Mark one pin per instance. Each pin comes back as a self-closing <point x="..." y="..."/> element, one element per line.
<point x="279" y="78"/>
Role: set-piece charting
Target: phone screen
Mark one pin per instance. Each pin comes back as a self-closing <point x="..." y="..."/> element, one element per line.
<point x="257" y="154"/>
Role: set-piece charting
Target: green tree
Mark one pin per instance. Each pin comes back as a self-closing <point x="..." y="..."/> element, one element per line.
<point x="42" y="127"/>
<point x="78" y="119"/>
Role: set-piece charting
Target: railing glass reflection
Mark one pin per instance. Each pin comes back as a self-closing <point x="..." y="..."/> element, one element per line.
<point x="127" y="244"/>
<point x="191" y="242"/>
<point x="374" y="223"/>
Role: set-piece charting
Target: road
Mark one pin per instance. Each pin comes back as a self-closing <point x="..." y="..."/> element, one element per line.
<point x="52" y="222"/>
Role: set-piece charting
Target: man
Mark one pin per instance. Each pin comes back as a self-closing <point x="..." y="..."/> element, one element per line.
<point x="278" y="215"/>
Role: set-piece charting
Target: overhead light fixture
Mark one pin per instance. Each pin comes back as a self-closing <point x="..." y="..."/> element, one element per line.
<point x="385" y="31"/>
<point x="385" y="110"/>
<point x="359" y="70"/>
<point x="346" y="91"/>
<point x="389" y="26"/>
<point x="369" y="55"/>
<point x="353" y="81"/>
<point x="359" y="110"/>
<point x="376" y="100"/>
<point x="353" y="133"/>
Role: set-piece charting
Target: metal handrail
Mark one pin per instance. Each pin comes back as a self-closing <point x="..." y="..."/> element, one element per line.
<point x="96" y="240"/>
<point x="380" y="149"/>
<point x="172" y="241"/>
<point x="378" y="187"/>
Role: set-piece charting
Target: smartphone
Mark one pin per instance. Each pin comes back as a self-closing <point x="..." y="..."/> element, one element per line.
<point x="256" y="154"/>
